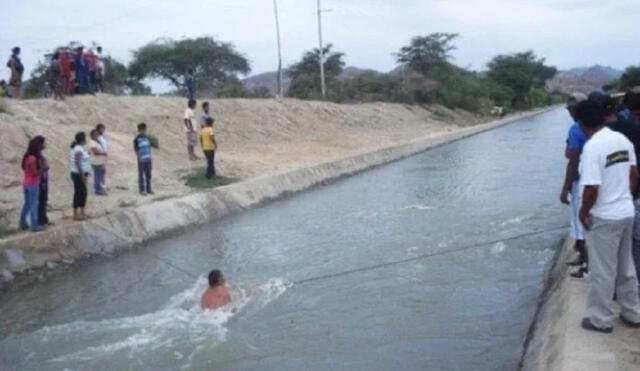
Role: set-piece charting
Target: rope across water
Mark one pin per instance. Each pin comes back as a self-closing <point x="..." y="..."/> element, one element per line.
<point x="385" y="264"/>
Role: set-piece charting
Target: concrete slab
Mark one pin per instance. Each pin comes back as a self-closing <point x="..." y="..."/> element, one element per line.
<point x="559" y="342"/>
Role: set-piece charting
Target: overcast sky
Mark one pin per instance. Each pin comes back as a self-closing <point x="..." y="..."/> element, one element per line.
<point x="569" y="33"/>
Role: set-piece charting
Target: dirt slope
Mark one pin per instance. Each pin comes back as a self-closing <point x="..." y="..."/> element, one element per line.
<point x="255" y="137"/>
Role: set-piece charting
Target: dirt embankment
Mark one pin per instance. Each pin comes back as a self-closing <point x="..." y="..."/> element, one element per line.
<point x="256" y="137"/>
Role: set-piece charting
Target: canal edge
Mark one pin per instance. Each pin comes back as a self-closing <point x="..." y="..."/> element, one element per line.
<point x="28" y="253"/>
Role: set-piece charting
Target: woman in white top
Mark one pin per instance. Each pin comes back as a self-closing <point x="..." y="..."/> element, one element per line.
<point x="80" y="164"/>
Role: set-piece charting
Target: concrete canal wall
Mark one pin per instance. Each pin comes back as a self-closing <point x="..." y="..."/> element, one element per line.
<point x="558" y="342"/>
<point x="132" y="227"/>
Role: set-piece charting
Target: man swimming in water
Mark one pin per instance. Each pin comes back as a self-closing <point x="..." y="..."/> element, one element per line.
<point x="216" y="295"/>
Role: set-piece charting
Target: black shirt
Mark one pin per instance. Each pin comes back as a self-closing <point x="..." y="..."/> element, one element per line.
<point x="630" y="130"/>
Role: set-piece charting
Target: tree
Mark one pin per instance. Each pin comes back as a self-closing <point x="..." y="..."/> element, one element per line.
<point x="371" y="86"/>
<point x="427" y="54"/>
<point x="520" y="72"/>
<point x="305" y="75"/>
<point x="213" y="63"/>
<point x="630" y="78"/>
<point x="117" y="80"/>
<point x="37" y="85"/>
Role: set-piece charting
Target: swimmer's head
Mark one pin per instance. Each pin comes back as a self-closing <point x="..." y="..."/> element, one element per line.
<point x="216" y="278"/>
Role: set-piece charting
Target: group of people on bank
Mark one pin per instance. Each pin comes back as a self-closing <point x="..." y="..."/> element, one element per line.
<point x="86" y="157"/>
<point x="70" y="70"/>
<point x="88" y="160"/>
<point x="75" y="71"/>
<point x="601" y="183"/>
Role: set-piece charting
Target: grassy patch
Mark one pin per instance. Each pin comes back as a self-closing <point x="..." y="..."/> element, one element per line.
<point x="6" y="231"/>
<point x="196" y="179"/>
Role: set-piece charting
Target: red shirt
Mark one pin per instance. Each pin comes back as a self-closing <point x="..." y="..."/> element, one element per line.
<point x="65" y="64"/>
<point x="92" y="61"/>
<point x="31" y="173"/>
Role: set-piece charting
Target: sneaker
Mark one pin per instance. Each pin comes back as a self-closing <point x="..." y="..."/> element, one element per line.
<point x="151" y="193"/>
<point x="143" y="193"/>
<point x="575" y="263"/>
<point x="580" y="273"/>
<point x="629" y="323"/>
<point x="587" y="325"/>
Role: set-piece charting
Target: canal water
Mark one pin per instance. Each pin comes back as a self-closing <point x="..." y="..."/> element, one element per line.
<point x="435" y="262"/>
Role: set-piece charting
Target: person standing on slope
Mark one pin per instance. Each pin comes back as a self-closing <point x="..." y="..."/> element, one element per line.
<point x="575" y="141"/>
<point x="191" y="129"/>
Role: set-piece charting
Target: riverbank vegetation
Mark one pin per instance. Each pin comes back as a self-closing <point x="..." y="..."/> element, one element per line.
<point x="196" y="179"/>
<point x="424" y="74"/>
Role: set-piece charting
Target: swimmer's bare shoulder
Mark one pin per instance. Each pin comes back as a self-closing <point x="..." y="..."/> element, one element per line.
<point x="216" y="295"/>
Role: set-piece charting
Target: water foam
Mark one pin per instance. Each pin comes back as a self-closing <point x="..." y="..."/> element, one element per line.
<point x="180" y="328"/>
<point x="418" y="207"/>
<point x="498" y="247"/>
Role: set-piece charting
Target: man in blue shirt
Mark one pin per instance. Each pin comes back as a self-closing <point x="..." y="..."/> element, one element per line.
<point x="575" y="142"/>
<point x="142" y="146"/>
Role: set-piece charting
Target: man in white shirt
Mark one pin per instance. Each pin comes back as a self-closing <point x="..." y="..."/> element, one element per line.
<point x="191" y="129"/>
<point x="608" y="173"/>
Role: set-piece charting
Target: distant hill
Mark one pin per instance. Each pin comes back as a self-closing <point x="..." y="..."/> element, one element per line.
<point x="583" y="79"/>
<point x="268" y="79"/>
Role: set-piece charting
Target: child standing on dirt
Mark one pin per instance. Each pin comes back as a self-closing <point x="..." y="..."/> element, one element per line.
<point x="80" y="165"/>
<point x="208" y="142"/>
<point x="142" y="146"/>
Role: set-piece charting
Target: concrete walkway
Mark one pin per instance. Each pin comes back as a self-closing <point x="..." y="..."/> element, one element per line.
<point x="588" y="350"/>
<point x="559" y="342"/>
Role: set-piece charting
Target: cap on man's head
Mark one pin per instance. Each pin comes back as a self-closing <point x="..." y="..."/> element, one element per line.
<point x="575" y="98"/>
<point x="16" y="49"/>
<point x="607" y="103"/>
<point x="597" y="95"/>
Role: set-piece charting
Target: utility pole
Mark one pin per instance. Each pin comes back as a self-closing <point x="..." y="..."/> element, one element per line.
<point x="322" y="82"/>
<point x="279" y="82"/>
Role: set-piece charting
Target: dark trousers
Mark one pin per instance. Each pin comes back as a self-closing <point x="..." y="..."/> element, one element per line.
<point x="98" y="179"/>
<point x="144" y="176"/>
<point x="92" y="82"/>
<point x="211" y="167"/>
<point x="42" y="204"/>
<point x="79" y="190"/>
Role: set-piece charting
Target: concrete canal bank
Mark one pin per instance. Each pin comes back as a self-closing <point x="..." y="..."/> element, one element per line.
<point x="558" y="343"/>
<point x="125" y="229"/>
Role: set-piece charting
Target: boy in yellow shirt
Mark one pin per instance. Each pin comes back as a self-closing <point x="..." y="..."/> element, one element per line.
<point x="209" y="145"/>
